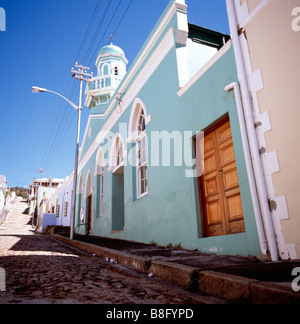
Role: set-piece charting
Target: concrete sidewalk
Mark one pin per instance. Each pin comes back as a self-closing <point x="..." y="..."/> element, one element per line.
<point x="232" y="278"/>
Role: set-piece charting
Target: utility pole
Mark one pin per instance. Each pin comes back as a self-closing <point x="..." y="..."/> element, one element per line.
<point x="80" y="74"/>
<point x="41" y="171"/>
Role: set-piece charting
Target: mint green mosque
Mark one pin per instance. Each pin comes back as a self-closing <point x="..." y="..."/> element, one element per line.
<point x="163" y="157"/>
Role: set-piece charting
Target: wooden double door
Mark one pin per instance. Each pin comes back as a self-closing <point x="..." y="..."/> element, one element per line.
<point x="219" y="190"/>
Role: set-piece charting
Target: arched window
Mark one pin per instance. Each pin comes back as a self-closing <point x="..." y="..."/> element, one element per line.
<point x="80" y="185"/>
<point x="142" y="155"/>
<point x="119" y="152"/>
<point x="117" y="155"/>
<point x="137" y="131"/>
<point x="141" y="122"/>
<point x="88" y="185"/>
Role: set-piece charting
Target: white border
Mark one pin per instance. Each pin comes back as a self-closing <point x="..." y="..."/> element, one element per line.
<point x="152" y="64"/>
<point x="205" y="68"/>
<point x="269" y="159"/>
<point x="86" y="193"/>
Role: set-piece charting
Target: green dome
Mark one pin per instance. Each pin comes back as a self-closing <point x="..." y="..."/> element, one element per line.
<point x="111" y="49"/>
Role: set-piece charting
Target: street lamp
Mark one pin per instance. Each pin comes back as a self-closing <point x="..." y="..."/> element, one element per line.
<point x="80" y="75"/>
<point x="37" y="90"/>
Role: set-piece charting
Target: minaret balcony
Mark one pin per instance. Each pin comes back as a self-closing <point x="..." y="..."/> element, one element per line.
<point x="101" y="86"/>
<point x="102" y="82"/>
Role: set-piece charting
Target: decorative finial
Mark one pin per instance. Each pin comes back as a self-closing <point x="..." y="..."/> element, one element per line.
<point x="111" y="39"/>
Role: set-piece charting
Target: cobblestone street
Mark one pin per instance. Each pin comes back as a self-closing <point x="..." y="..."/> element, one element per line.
<point x="40" y="270"/>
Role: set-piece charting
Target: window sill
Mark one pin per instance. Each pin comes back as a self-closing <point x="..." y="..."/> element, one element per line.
<point x="119" y="169"/>
<point x="142" y="196"/>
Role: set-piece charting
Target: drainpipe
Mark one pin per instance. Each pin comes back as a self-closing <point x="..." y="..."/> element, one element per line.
<point x="258" y="217"/>
<point x="252" y="138"/>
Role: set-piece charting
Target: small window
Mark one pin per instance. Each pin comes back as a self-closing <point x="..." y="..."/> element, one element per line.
<point x="57" y="211"/>
<point x="66" y="206"/>
<point x="116" y="71"/>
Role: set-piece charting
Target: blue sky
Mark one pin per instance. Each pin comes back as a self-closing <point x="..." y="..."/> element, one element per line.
<point x="43" y="39"/>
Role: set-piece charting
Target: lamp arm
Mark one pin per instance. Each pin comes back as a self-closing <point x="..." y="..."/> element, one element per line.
<point x="70" y="102"/>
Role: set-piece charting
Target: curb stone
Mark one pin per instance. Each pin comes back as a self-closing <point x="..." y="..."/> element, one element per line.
<point x="182" y="275"/>
<point x="233" y="288"/>
<point x="137" y="263"/>
<point x="273" y="293"/>
<point x="230" y="287"/>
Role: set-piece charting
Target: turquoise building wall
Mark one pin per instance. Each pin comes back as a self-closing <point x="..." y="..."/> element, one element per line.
<point x="170" y="212"/>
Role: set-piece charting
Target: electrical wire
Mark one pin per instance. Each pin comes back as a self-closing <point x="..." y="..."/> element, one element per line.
<point x="123" y="17"/>
<point x="56" y="130"/>
<point x="110" y="22"/>
<point x="97" y="31"/>
<point x="88" y="30"/>
<point x="63" y="126"/>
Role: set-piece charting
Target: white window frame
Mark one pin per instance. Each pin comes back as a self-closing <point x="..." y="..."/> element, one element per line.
<point x="117" y="163"/>
<point x="136" y="136"/>
<point x="141" y="166"/>
<point x="139" y="140"/>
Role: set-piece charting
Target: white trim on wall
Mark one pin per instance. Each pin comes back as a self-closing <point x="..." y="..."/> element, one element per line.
<point x="269" y="159"/>
<point x="150" y="67"/>
<point x="205" y="68"/>
<point x="243" y="15"/>
<point x="88" y="190"/>
<point x="160" y="53"/>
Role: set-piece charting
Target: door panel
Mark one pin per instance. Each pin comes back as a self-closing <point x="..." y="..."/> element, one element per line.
<point x="219" y="185"/>
<point x="230" y="177"/>
<point x="213" y="206"/>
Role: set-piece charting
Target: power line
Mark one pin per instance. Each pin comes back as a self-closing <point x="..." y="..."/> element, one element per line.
<point x="116" y="29"/>
<point x="88" y="30"/>
<point x="113" y="16"/>
<point x="97" y="31"/>
<point x="58" y="131"/>
<point x="82" y="75"/>
<point x="63" y="125"/>
<point x="15" y="167"/>
<point x="123" y="17"/>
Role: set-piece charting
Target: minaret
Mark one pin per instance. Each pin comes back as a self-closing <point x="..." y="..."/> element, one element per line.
<point x="111" y="68"/>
